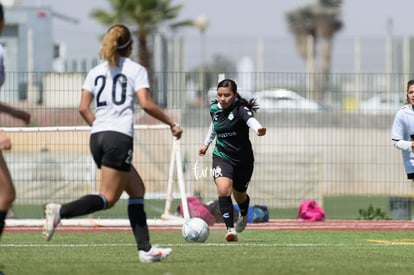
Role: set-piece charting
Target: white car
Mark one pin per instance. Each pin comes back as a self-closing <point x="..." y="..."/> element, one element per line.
<point x="383" y="103"/>
<point x="285" y="100"/>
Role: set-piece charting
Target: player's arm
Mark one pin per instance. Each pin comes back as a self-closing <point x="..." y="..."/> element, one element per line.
<point x="404" y="145"/>
<point x="17" y="113"/>
<point x="85" y="107"/>
<point x="211" y="134"/>
<point x="148" y="105"/>
<point x="400" y="143"/>
<point x="397" y="134"/>
<point x="255" y="125"/>
<point x="5" y="143"/>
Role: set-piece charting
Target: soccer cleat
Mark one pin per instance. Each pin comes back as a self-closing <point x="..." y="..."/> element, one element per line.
<point x="241" y="223"/>
<point x="155" y="254"/>
<point x="231" y="235"/>
<point x="52" y="220"/>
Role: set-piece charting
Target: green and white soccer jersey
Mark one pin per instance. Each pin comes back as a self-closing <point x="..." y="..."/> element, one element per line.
<point x="232" y="133"/>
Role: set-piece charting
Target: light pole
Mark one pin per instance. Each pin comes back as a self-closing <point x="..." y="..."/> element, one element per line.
<point x="201" y="23"/>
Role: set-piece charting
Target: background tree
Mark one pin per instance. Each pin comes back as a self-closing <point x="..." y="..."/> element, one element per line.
<point x="144" y="17"/>
<point x="320" y="22"/>
<point x="218" y="64"/>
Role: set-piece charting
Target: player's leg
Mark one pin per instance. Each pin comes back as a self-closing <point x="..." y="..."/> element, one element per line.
<point x="243" y="201"/>
<point x="223" y="174"/>
<point x="240" y="184"/>
<point x="224" y="190"/>
<point x="110" y="190"/>
<point x="136" y="213"/>
<point x="138" y="220"/>
<point x="112" y="185"/>
<point x="111" y="152"/>
<point x="7" y="191"/>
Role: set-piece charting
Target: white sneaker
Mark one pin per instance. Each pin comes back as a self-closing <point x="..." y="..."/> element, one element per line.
<point x="241" y="223"/>
<point x="155" y="254"/>
<point x="231" y="235"/>
<point x="52" y="219"/>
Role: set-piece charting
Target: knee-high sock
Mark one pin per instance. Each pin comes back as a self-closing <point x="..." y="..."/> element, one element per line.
<point x="83" y="206"/>
<point x="226" y="209"/>
<point x="244" y="207"/>
<point x="3" y="215"/>
<point x="138" y="221"/>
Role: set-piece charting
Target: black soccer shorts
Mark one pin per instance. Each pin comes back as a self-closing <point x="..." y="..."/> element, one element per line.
<point x="240" y="173"/>
<point x="112" y="149"/>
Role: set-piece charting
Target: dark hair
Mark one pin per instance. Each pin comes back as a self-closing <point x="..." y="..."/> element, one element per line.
<point x="1" y="12"/>
<point x="229" y="83"/>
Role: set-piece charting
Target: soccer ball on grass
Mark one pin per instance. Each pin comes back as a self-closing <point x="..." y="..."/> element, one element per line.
<point x="195" y="230"/>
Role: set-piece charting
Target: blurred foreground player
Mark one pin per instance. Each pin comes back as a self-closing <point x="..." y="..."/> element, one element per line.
<point x="7" y="191"/>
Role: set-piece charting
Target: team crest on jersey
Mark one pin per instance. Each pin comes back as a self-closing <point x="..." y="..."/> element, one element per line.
<point x="231" y="116"/>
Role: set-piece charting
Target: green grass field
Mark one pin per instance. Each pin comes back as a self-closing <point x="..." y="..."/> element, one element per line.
<point x="257" y="252"/>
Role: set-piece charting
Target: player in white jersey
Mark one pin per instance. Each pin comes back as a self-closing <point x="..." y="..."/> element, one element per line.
<point x="7" y="191"/>
<point x="112" y="87"/>
<point x="402" y="132"/>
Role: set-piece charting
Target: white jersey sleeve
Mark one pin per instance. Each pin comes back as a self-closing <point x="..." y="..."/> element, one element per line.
<point x="210" y="136"/>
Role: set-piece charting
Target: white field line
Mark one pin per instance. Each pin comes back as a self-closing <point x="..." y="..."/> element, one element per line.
<point x="210" y="244"/>
<point x="94" y="222"/>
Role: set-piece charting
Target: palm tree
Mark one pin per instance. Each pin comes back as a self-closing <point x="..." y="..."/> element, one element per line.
<point x="146" y="15"/>
<point x="301" y="24"/>
<point x="321" y="22"/>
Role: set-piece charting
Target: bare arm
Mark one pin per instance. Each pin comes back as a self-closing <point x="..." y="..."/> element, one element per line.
<point x="85" y="107"/>
<point x="5" y="143"/>
<point x="14" y="112"/>
<point x="148" y="105"/>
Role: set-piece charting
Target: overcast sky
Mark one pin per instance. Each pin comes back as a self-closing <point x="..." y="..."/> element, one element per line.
<point x="234" y="18"/>
<point x="267" y="17"/>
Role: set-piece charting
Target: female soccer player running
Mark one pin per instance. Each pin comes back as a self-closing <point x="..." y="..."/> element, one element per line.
<point x="233" y="158"/>
<point x="402" y="132"/>
<point x="112" y="86"/>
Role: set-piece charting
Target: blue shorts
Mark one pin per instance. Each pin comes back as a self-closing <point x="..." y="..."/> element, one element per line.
<point x="112" y="149"/>
<point x="240" y="173"/>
